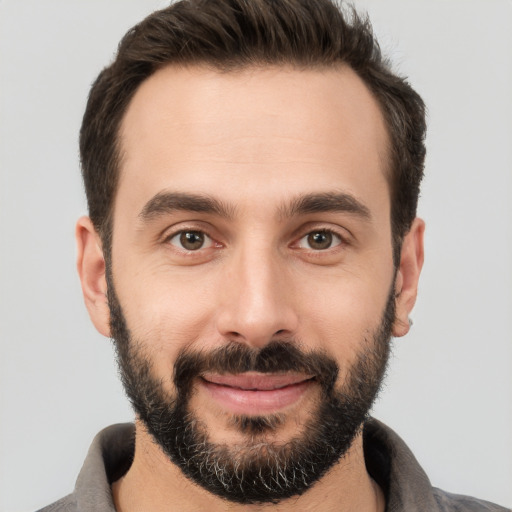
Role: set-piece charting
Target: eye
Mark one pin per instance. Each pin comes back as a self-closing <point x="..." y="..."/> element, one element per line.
<point x="320" y="240"/>
<point x="190" y="240"/>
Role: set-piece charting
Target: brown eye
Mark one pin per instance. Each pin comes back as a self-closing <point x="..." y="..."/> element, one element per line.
<point x="320" y="240"/>
<point x="190" y="240"/>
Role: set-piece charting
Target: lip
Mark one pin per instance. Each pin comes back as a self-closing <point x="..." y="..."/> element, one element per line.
<point x="256" y="393"/>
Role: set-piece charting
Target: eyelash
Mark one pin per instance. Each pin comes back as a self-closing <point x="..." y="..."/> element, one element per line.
<point x="208" y="239"/>
<point x="337" y="239"/>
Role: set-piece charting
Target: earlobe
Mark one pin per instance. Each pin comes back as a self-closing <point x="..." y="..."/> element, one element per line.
<point x="406" y="282"/>
<point x="91" y="269"/>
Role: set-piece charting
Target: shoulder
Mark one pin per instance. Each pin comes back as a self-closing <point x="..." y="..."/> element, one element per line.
<point x="449" y="502"/>
<point x="66" y="504"/>
<point x="393" y="466"/>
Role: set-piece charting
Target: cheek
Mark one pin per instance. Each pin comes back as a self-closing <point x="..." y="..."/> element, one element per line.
<point x="344" y="313"/>
<point x="167" y="310"/>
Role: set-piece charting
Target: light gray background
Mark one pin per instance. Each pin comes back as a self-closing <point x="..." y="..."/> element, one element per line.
<point x="449" y="391"/>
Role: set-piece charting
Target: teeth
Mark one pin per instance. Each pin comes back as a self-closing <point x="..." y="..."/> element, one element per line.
<point x="263" y="389"/>
<point x="256" y="382"/>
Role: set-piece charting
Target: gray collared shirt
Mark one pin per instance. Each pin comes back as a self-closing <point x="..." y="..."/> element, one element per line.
<point x="389" y="461"/>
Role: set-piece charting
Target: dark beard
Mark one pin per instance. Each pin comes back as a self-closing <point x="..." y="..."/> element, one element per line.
<point x="259" y="471"/>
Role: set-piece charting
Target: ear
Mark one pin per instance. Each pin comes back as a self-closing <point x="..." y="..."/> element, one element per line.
<point x="91" y="269"/>
<point x="406" y="282"/>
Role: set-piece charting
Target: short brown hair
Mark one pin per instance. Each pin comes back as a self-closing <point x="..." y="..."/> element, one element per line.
<point x="233" y="34"/>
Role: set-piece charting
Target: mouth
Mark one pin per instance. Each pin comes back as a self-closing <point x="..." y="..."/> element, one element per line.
<point x="256" y="393"/>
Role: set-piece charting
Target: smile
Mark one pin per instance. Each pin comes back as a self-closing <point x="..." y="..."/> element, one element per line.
<point x="256" y="393"/>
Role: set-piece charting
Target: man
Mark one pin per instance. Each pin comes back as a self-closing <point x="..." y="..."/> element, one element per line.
<point x="252" y="172"/>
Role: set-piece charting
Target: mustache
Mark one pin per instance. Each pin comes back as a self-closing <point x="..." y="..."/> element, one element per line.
<point x="236" y="358"/>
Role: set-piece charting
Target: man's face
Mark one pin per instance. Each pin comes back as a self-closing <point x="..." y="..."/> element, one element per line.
<point x="252" y="227"/>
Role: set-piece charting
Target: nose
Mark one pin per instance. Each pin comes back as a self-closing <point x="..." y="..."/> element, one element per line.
<point x="258" y="300"/>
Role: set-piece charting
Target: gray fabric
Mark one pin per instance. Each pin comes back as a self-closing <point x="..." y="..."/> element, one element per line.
<point x="388" y="459"/>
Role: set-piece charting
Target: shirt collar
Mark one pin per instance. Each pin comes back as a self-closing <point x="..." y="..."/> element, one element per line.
<point x="388" y="459"/>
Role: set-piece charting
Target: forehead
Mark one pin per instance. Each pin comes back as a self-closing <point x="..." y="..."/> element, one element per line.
<point x="279" y="130"/>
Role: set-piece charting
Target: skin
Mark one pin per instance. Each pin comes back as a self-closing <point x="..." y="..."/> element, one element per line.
<point x="254" y="140"/>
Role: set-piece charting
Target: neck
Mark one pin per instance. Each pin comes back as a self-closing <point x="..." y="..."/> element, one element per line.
<point x="153" y="482"/>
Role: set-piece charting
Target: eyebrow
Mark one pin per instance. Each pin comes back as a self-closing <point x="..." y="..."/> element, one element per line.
<point x="326" y="202"/>
<point x="169" y="202"/>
